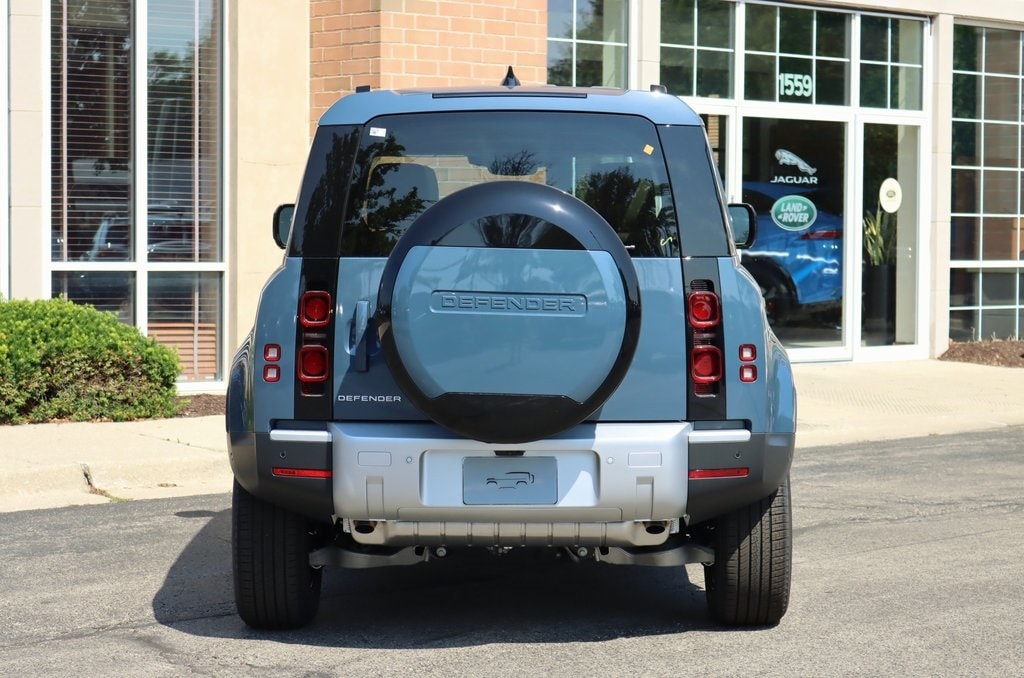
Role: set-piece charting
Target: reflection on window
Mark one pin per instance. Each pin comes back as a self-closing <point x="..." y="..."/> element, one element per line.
<point x="183" y="131"/>
<point x="587" y="43"/>
<point x="796" y="55"/>
<point x="697" y="62"/>
<point x="892" y="57"/>
<point x="99" y="247"/>
<point x="111" y="291"/>
<point x="611" y="162"/>
<point x="986" y="198"/>
<point x="91" y="136"/>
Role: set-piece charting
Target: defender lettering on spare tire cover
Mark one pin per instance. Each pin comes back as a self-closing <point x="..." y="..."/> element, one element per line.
<point x="509" y="311"/>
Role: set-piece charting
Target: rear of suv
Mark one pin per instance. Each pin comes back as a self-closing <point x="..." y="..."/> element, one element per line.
<point x="511" y="318"/>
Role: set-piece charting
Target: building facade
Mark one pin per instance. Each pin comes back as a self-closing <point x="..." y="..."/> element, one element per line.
<point x="146" y="143"/>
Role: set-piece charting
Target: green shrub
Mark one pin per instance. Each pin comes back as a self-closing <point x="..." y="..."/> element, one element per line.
<point x="64" y="361"/>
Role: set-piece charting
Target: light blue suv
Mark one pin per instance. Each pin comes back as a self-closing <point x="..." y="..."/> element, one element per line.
<point x="509" y="318"/>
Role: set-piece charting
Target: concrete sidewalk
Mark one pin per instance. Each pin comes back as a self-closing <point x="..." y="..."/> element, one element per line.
<point x="49" y="465"/>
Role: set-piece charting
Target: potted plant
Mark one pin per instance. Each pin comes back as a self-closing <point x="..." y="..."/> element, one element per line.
<point x="879" y="238"/>
<point x="879" y="280"/>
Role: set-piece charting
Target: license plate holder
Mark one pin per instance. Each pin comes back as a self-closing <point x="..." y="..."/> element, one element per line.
<point x="509" y="480"/>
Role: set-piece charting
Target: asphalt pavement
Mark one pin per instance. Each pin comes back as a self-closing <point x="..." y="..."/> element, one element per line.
<point x="51" y="465"/>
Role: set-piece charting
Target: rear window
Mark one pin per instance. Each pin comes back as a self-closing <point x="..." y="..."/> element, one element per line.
<point x="370" y="183"/>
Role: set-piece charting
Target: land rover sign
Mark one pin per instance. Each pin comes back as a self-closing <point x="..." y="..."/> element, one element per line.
<point x="794" y="213"/>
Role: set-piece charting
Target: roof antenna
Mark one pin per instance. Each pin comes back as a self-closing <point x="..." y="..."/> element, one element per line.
<point x="510" y="79"/>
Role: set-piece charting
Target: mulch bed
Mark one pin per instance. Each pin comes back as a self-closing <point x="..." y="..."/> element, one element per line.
<point x="998" y="352"/>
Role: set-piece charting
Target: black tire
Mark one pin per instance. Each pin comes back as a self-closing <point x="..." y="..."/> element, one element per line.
<point x="275" y="587"/>
<point x="748" y="584"/>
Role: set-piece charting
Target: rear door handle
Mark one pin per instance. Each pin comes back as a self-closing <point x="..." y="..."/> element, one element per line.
<point x="360" y="320"/>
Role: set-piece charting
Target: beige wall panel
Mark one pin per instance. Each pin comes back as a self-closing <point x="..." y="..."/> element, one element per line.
<point x="942" y="152"/>
<point x="267" y="141"/>
<point x="29" y="146"/>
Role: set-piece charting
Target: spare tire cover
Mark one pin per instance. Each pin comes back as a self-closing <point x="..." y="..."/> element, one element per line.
<point x="509" y="311"/>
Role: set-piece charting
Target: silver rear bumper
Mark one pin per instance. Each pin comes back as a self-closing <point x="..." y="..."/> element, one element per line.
<point x="617" y="485"/>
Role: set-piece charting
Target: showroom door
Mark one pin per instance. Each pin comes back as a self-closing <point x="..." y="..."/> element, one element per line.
<point x="889" y="310"/>
<point x="793" y="173"/>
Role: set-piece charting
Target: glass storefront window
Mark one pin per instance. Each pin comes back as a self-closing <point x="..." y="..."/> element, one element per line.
<point x="587" y="43"/>
<point x="91" y="135"/>
<point x="112" y="291"/>
<point x="796" y="55"/>
<point x="697" y="62"/>
<point x="987" y="195"/>
<point x="892" y="63"/>
<point x="794" y="177"/>
<point x="183" y="131"/>
<point x="889" y="281"/>
<point x="103" y="252"/>
<point x="183" y="311"/>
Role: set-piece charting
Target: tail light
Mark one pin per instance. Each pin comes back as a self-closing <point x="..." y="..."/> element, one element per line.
<point x="704" y="313"/>
<point x="314" y="363"/>
<point x="703" y="308"/>
<point x="315" y="309"/>
<point x="705" y="364"/>
<point x="313" y="360"/>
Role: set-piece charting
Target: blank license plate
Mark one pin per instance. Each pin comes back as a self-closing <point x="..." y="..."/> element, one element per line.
<point x="509" y="480"/>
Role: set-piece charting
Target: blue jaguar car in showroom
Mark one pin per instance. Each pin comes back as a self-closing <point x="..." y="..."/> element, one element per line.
<point x="797" y="257"/>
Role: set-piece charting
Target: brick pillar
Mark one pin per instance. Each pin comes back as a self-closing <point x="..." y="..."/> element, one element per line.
<point x="394" y="44"/>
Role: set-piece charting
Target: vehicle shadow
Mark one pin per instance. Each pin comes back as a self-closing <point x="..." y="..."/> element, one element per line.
<point x="470" y="598"/>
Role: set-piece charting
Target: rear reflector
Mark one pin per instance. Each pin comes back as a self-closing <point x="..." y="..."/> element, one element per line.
<point x="271" y="373"/>
<point x="272" y="353"/>
<point x="705" y="364"/>
<point x="705" y="473"/>
<point x="748" y="352"/>
<point x="315" y="309"/>
<point x="748" y="373"/>
<point x="703" y="308"/>
<point x="301" y="472"/>
<point x="313" y="362"/>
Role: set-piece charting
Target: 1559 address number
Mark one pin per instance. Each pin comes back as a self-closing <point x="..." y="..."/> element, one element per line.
<point x="796" y="85"/>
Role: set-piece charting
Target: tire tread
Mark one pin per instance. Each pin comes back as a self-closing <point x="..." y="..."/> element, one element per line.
<point x="749" y="582"/>
<point x="275" y="588"/>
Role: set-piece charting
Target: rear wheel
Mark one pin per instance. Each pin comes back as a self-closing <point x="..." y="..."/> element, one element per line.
<point x="275" y="587"/>
<point x="748" y="584"/>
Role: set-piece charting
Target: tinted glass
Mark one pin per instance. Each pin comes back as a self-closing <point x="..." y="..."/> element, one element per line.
<point x="832" y="35"/>
<point x="715" y="20"/>
<point x="966" y="136"/>
<point x="404" y="164"/>
<point x="677" y="22"/>
<point x="760" y="78"/>
<point x="874" y="85"/>
<point x="677" y="70"/>
<point x="964" y="237"/>
<point x="713" y="74"/>
<point x="760" y="28"/>
<point x="874" y="38"/>
<point x="965" y="96"/>
<point x="830" y="83"/>
<point x="966" y="48"/>
<point x="796" y="27"/>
